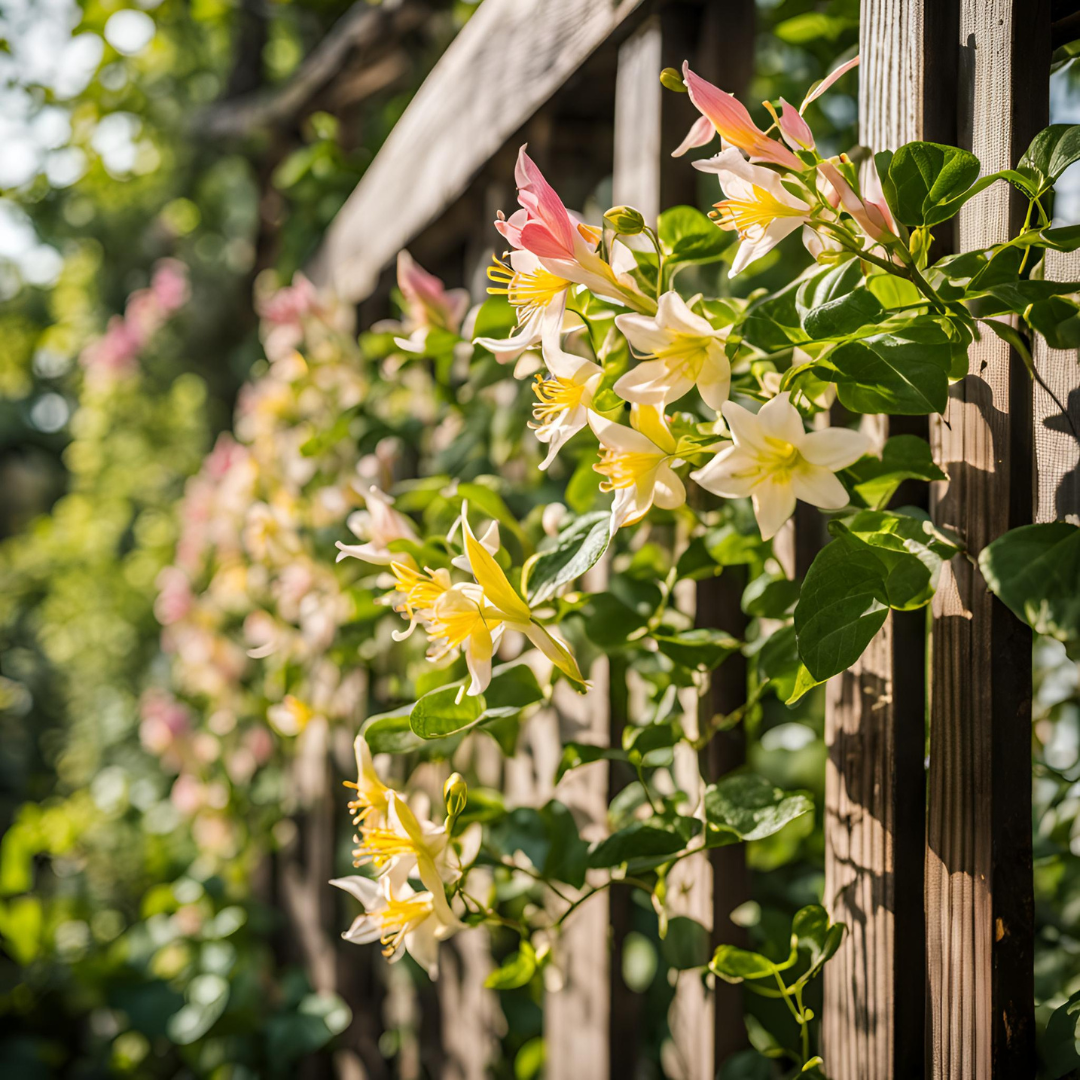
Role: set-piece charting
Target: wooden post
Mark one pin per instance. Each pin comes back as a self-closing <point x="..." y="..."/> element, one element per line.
<point x="1057" y="452"/>
<point x="978" y="858"/>
<point x="875" y="715"/>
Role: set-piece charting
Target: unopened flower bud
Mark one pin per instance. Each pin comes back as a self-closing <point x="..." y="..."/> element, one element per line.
<point x="455" y="794"/>
<point x="625" y="220"/>
<point x="673" y="80"/>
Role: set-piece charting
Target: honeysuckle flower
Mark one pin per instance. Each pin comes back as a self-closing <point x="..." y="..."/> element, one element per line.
<point x="461" y="618"/>
<point x="416" y="593"/>
<point x="731" y="120"/>
<point x="429" y="305"/>
<point x="567" y="249"/>
<point x="372" y="795"/>
<point x="539" y="297"/>
<point x="816" y="91"/>
<point x="290" y="715"/>
<point x="399" y="918"/>
<point x="636" y="464"/>
<point x="685" y="350"/>
<point x="501" y="603"/>
<point x="774" y="461"/>
<point x="793" y="128"/>
<point x="379" y="526"/>
<point x="564" y="398"/>
<point x="871" y="212"/>
<point x="758" y="207"/>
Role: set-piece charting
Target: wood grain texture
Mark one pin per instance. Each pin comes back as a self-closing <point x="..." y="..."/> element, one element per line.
<point x="875" y="714"/>
<point x="508" y="60"/>
<point x="978" y="860"/>
<point x="1057" y="453"/>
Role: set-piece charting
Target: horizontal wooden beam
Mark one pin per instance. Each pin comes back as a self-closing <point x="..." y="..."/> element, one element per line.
<point x="510" y="58"/>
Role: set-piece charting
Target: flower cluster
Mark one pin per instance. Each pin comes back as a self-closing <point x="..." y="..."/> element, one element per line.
<point x="405" y="851"/>
<point x="772" y="187"/>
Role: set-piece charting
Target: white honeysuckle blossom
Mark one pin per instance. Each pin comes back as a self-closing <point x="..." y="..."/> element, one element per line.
<point x="685" y="351"/>
<point x="636" y="464"/>
<point x="757" y="206"/>
<point x="538" y="297"/>
<point x="378" y="526"/>
<point x="564" y="398"/>
<point x="774" y="460"/>
<point x="399" y="917"/>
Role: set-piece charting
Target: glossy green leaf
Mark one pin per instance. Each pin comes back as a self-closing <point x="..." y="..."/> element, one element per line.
<point x="843" y="604"/>
<point x="925" y="176"/>
<point x="1035" y="572"/>
<point x="744" y="806"/>
<point x="1051" y="152"/>
<point x="734" y="965"/>
<point x="905" y="373"/>
<point x="650" y="839"/>
<point x="904" y="457"/>
<point x="576" y="549"/>
<point x="686" y="944"/>
<point x="702" y="649"/>
<point x="516" y="970"/>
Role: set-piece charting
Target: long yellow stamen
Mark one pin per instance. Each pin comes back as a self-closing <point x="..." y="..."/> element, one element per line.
<point x="379" y="846"/>
<point x="420" y="590"/>
<point x="555" y="396"/>
<point x="527" y="292"/>
<point x="753" y="215"/>
<point x="624" y="469"/>
<point x="455" y="626"/>
<point x="399" y="915"/>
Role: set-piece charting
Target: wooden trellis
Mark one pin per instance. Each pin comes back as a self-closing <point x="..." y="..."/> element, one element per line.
<point x="930" y="868"/>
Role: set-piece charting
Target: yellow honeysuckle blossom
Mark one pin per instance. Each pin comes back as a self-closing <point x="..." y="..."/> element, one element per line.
<point x="500" y="602"/>
<point x="774" y="461"/>
<point x="372" y="795"/>
<point x="636" y="464"/>
<point x="399" y="918"/>
<point x="417" y="592"/>
<point x="685" y="350"/>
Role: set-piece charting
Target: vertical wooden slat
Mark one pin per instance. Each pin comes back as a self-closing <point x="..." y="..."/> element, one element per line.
<point x="873" y="1018"/>
<point x="978" y="860"/>
<point x="577" y="1012"/>
<point x="1057" y="451"/>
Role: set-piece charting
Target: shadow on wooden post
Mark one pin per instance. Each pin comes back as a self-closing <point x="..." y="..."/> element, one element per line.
<point x="978" y="859"/>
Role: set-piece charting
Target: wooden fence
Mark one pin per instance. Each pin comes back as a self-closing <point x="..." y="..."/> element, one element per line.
<point x="928" y="864"/>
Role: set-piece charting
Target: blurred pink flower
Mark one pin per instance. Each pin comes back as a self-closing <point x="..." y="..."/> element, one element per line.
<point x="175" y="598"/>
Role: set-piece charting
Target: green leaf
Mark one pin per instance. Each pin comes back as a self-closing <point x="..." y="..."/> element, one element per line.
<point x="702" y="649"/>
<point x="391" y="733"/>
<point x="1051" y="152"/>
<point x="778" y="661"/>
<point x="447" y="710"/>
<point x="577" y="547"/>
<point x="773" y="323"/>
<point x="516" y="970"/>
<point x="650" y="839"/>
<point x="1035" y="572"/>
<point x="924" y="176"/>
<point x="812" y="26"/>
<point x="835" y="303"/>
<point x="770" y="598"/>
<point x="843" y="604"/>
<point x="576" y="754"/>
<point x="812" y="932"/>
<point x="733" y="964"/>
<point x="1059" y="1048"/>
<point x="548" y="838"/>
<point x="686" y="944"/>
<point x="1058" y="320"/>
<point x="903" y="373"/>
<point x="904" y="457"/>
<point x="744" y="806"/>
<point x="687" y="235"/>
<point x="609" y="622"/>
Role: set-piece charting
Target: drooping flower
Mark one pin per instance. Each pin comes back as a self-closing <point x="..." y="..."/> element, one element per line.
<point x="565" y="248"/>
<point x="871" y="212"/>
<point x="774" y="461"/>
<point x="502" y="603"/>
<point x="731" y="120"/>
<point x="636" y="464"/>
<point x="538" y="296"/>
<point x="378" y="526"/>
<point x="564" y="397"/>
<point x="429" y="305"/>
<point x="758" y="207"/>
<point x="685" y="350"/>
<point x="372" y="795"/>
<point x="399" y="918"/>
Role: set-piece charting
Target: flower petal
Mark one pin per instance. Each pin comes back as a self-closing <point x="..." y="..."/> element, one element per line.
<point x="773" y="503"/>
<point x="818" y="486"/>
<point x="834" y="448"/>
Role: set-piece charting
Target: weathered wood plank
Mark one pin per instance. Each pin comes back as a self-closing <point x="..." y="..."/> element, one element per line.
<point x="978" y="859"/>
<point x="1057" y="452"/>
<point x="873" y="1020"/>
<point x="508" y="60"/>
